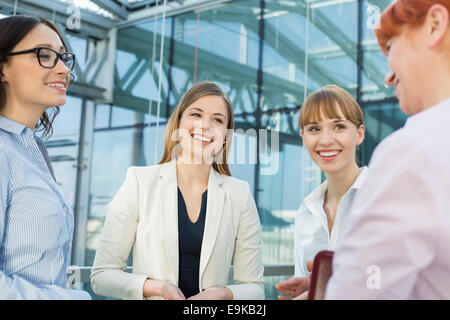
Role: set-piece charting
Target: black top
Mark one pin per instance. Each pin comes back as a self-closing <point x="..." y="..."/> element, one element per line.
<point x="190" y="236"/>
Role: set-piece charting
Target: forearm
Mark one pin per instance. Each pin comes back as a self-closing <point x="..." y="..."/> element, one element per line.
<point x="18" y="288"/>
<point x="247" y="291"/>
<point x="118" y="283"/>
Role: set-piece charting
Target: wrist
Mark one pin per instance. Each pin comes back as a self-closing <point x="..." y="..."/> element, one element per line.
<point x="153" y="287"/>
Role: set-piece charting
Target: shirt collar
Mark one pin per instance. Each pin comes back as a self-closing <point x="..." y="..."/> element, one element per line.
<point x="360" y="180"/>
<point x="319" y="193"/>
<point x="12" y="126"/>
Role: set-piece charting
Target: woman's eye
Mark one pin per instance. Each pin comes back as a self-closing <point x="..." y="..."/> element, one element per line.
<point x="313" y="129"/>
<point x="219" y="120"/>
<point x="44" y="56"/>
<point x="197" y="115"/>
<point x="340" y="126"/>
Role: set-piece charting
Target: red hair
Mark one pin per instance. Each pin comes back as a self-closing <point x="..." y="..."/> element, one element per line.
<point x="403" y="12"/>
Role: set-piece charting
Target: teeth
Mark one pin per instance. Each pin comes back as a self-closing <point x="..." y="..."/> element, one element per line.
<point x="202" y="138"/>
<point x="59" y="85"/>
<point x="329" y="154"/>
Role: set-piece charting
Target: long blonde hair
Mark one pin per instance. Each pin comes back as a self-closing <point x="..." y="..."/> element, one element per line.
<point x="198" y="91"/>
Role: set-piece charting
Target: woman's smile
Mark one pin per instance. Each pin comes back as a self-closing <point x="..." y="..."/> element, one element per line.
<point x="328" y="155"/>
<point x="201" y="138"/>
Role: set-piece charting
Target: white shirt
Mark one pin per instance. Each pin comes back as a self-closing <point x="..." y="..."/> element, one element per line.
<point x="311" y="225"/>
<point x="398" y="242"/>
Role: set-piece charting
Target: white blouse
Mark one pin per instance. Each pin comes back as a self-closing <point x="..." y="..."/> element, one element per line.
<point x="311" y="225"/>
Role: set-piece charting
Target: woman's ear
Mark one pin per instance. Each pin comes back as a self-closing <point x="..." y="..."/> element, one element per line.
<point x="301" y="135"/>
<point x="437" y="23"/>
<point x="361" y="134"/>
<point x="3" y="72"/>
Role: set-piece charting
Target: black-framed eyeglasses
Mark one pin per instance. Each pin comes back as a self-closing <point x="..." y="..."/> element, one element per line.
<point x="48" y="58"/>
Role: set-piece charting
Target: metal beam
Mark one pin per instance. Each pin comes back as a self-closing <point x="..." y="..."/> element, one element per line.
<point x="137" y="40"/>
<point x="84" y="90"/>
<point x="144" y="15"/>
<point x="91" y="24"/>
<point x="321" y="22"/>
<point x="113" y="7"/>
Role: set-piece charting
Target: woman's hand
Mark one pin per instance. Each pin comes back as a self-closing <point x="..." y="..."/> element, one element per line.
<point x="164" y="289"/>
<point x="214" y="293"/>
<point x="295" y="288"/>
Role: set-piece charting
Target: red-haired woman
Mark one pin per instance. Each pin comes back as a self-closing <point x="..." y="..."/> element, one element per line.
<point x="398" y="243"/>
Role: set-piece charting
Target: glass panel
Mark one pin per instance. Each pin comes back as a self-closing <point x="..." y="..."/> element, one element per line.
<point x="79" y="47"/>
<point x="327" y="44"/>
<point x="227" y="53"/>
<point x="63" y="147"/>
<point x="375" y="63"/>
<point x="102" y="115"/>
<point x="242" y="157"/>
<point x="124" y="117"/>
<point x="381" y="120"/>
<point x="138" y="70"/>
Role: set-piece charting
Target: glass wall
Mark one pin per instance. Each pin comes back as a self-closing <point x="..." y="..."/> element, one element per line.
<point x="63" y="147"/>
<point x="381" y="120"/>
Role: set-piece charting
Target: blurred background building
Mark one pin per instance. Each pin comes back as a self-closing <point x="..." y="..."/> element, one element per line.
<point x="136" y="58"/>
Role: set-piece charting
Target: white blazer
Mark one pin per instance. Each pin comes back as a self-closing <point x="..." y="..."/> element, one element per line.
<point x="144" y="213"/>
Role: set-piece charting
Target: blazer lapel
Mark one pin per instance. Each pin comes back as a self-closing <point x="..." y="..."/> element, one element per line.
<point x="169" y="207"/>
<point x="214" y="210"/>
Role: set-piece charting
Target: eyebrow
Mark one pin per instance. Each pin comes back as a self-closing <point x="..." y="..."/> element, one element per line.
<point x="217" y="113"/>
<point x="50" y="46"/>
<point x="334" y="120"/>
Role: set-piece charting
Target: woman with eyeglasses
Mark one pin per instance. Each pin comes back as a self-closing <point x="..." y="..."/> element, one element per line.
<point x="36" y="223"/>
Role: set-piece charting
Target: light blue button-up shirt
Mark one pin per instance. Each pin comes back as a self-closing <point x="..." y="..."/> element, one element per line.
<point x="36" y="224"/>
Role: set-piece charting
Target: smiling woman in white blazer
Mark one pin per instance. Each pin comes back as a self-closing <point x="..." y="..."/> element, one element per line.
<point x="144" y="213"/>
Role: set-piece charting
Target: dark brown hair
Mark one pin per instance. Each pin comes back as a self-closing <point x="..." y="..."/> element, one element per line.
<point x="12" y="30"/>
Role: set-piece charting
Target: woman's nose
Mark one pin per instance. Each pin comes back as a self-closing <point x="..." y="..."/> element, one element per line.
<point x="203" y="123"/>
<point x="61" y="68"/>
<point x="326" y="137"/>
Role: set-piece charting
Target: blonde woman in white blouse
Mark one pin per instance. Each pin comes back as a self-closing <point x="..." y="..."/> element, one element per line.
<point x="332" y="126"/>
<point x="186" y="218"/>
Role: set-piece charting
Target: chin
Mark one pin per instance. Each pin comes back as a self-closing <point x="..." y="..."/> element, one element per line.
<point x="331" y="167"/>
<point x="55" y="101"/>
<point x="60" y="102"/>
<point x="406" y="109"/>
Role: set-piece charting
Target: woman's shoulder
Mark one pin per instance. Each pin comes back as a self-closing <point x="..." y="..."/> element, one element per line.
<point x="4" y="150"/>
<point x="235" y="185"/>
<point x="145" y="172"/>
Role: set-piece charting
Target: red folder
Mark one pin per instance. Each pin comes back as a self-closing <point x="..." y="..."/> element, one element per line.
<point x="321" y="273"/>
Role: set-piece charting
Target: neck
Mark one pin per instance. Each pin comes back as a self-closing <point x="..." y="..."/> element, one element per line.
<point x="438" y="84"/>
<point x="26" y="115"/>
<point x="339" y="182"/>
<point x="188" y="173"/>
